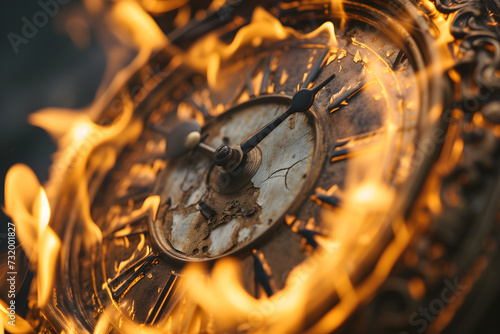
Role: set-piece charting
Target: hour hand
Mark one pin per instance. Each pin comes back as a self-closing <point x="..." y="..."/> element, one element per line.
<point x="249" y="143"/>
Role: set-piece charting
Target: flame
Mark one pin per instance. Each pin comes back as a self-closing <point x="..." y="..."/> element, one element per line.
<point x="30" y="210"/>
<point x="26" y="203"/>
<point x="49" y="247"/>
<point x="162" y="6"/>
<point x="338" y="7"/>
<point x="136" y="26"/>
<point x="21" y="325"/>
<point x="222" y="290"/>
<point x="263" y="29"/>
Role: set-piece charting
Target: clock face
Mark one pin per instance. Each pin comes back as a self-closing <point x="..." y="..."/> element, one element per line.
<point x="287" y="197"/>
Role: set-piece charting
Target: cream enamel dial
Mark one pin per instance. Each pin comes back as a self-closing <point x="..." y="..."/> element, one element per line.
<point x="285" y="165"/>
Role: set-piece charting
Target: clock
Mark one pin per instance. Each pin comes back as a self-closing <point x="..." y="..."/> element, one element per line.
<point x="268" y="173"/>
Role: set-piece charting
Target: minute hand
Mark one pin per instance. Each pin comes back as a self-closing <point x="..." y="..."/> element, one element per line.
<point x="301" y="101"/>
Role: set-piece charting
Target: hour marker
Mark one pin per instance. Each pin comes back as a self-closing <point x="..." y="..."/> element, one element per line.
<point x="348" y="147"/>
<point x="262" y="277"/>
<point x="307" y="231"/>
<point x="399" y="60"/>
<point x="124" y="281"/>
<point x="249" y="84"/>
<point x="309" y="236"/>
<point x="164" y="300"/>
<point x="316" y="68"/>
<point x="328" y="198"/>
<point x="284" y="77"/>
<point x="346" y="96"/>
<point x="265" y="77"/>
<point x="97" y="313"/>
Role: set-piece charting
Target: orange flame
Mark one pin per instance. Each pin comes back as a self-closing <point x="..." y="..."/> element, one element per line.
<point x="263" y="29"/>
<point x="338" y="7"/>
<point x="21" y="325"/>
<point x="30" y="211"/>
<point x="136" y="26"/>
<point x="26" y="203"/>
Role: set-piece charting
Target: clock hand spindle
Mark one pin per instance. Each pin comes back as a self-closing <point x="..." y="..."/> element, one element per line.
<point x="184" y="138"/>
<point x="301" y="101"/>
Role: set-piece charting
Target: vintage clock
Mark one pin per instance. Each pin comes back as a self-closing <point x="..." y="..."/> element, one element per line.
<point x="343" y="157"/>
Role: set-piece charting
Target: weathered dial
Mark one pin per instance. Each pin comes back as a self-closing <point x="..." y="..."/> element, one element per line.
<point x="232" y="217"/>
<point x="350" y="110"/>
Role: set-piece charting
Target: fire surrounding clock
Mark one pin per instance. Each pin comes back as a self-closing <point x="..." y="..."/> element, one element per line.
<point x="344" y="97"/>
<point x="280" y="159"/>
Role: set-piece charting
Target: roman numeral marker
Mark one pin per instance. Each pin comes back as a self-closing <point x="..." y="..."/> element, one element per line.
<point x="248" y="84"/>
<point x="348" y="94"/>
<point x="270" y="68"/>
<point x="261" y="276"/>
<point x="329" y="199"/>
<point x="124" y="281"/>
<point x="306" y="230"/>
<point x="164" y="300"/>
<point x="399" y="60"/>
<point x="316" y="68"/>
<point x="309" y="235"/>
<point x="356" y="145"/>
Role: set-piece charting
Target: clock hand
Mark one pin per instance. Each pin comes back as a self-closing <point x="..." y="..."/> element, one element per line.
<point x="187" y="135"/>
<point x="184" y="138"/>
<point x="301" y="101"/>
